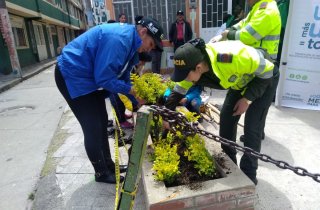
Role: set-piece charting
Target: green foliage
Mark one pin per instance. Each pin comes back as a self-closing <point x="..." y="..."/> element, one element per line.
<point x="149" y="86"/>
<point x="156" y="129"/>
<point x="170" y="84"/>
<point x="166" y="163"/>
<point x="191" y="116"/>
<point x="198" y="153"/>
<point x="166" y="156"/>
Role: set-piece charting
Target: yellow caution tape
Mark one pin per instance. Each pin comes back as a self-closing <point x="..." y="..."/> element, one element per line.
<point x="116" y="162"/>
<point x="117" y="168"/>
<point x="132" y="194"/>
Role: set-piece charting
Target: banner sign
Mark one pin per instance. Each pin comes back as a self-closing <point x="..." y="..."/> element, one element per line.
<point x="299" y="85"/>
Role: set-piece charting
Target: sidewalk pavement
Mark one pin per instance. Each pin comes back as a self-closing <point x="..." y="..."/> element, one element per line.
<point x="67" y="179"/>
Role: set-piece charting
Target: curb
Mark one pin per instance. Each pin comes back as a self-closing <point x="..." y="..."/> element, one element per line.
<point x="28" y="75"/>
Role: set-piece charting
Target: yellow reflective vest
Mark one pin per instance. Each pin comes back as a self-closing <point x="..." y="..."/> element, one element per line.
<point x="261" y="27"/>
<point x="235" y="64"/>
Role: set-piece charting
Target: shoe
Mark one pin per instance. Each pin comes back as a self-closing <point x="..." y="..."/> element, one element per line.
<point x="127" y="116"/>
<point x="252" y="177"/>
<point x="123" y="168"/>
<point x="124" y="141"/>
<point x="242" y="138"/>
<point x="111" y="132"/>
<point x="254" y="180"/>
<point x="126" y="125"/>
<point x="110" y="123"/>
<point x="107" y="178"/>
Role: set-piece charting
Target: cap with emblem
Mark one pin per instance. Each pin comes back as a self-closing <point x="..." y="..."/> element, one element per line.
<point x="180" y="12"/>
<point x="154" y="30"/>
<point x="185" y="58"/>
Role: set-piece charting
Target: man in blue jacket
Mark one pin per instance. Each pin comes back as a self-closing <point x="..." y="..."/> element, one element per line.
<point x="99" y="62"/>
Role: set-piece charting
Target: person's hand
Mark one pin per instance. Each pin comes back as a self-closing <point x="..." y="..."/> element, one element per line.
<point x="217" y="38"/>
<point x="224" y="34"/>
<point x="241" y="106"/>
<point x="183" y="101"/>
<point x="140" y="100"/>
<point x="165" y="125"/>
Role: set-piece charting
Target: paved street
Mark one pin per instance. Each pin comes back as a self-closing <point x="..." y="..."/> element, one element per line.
<point x="35" y="124"/>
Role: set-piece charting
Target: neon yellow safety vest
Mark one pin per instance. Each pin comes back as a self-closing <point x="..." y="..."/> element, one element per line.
<point x="261" y="27"/>
<point x="235" y="64"/>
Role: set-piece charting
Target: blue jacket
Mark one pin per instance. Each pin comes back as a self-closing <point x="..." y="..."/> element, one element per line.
<point x="100" y="58"/>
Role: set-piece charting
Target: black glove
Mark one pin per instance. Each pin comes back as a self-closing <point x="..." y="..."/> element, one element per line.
<point x="173" y="100"/>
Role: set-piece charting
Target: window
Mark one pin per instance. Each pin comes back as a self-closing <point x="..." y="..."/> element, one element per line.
<point x="64" y="5"/>
<point x="19" y="32"/>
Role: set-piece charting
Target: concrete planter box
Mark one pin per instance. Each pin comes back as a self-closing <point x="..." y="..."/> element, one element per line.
<point x="233" y="191"/>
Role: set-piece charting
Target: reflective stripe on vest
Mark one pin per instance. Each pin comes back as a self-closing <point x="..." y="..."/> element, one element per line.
<point x="182" y="87"/>
<point x="252" y="32"/>
<point x="271" y="38"/>
<point x="177" y="88"/>
<point x="261" y="68"/>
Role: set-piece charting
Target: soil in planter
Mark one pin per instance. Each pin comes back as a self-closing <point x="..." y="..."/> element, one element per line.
<point x="189" y="175"/>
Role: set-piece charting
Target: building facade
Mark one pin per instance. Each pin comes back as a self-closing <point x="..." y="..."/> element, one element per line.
<point x="100" y="14"/>
<point x="204" y="16"/>
<point x="40" y="29"/>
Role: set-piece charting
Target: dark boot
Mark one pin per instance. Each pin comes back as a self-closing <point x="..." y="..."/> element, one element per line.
<point x="107" y="177"/>
<point x="123" y="168"/>
<point x="125" y="140"/>
<point x="110" y="123"/>
<point x="253" y="179"/>
<point x="242" y="139"/>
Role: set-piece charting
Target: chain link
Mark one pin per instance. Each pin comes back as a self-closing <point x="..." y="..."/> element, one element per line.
<point x="178" y="121"/>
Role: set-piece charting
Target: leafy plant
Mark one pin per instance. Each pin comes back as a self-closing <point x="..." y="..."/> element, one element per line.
<point x="191" y="116"/>
<point x="149" y="86"/>
<point x="166" y="162"/>
<point x="198" y="153"/>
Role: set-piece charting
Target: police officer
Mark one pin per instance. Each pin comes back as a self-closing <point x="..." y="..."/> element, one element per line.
<point x="261" y="28"/>
<point x="250" y="77"/>
<point x="99" y="62"/>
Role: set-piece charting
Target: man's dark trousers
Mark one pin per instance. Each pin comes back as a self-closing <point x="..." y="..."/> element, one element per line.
<point x="253" y="125"/>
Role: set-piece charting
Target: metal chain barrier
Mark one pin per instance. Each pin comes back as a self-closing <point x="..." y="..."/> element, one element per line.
<point x="178" y="120"/>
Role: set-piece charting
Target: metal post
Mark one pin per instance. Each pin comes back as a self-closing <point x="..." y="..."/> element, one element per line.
<point x="6" y="30"/>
